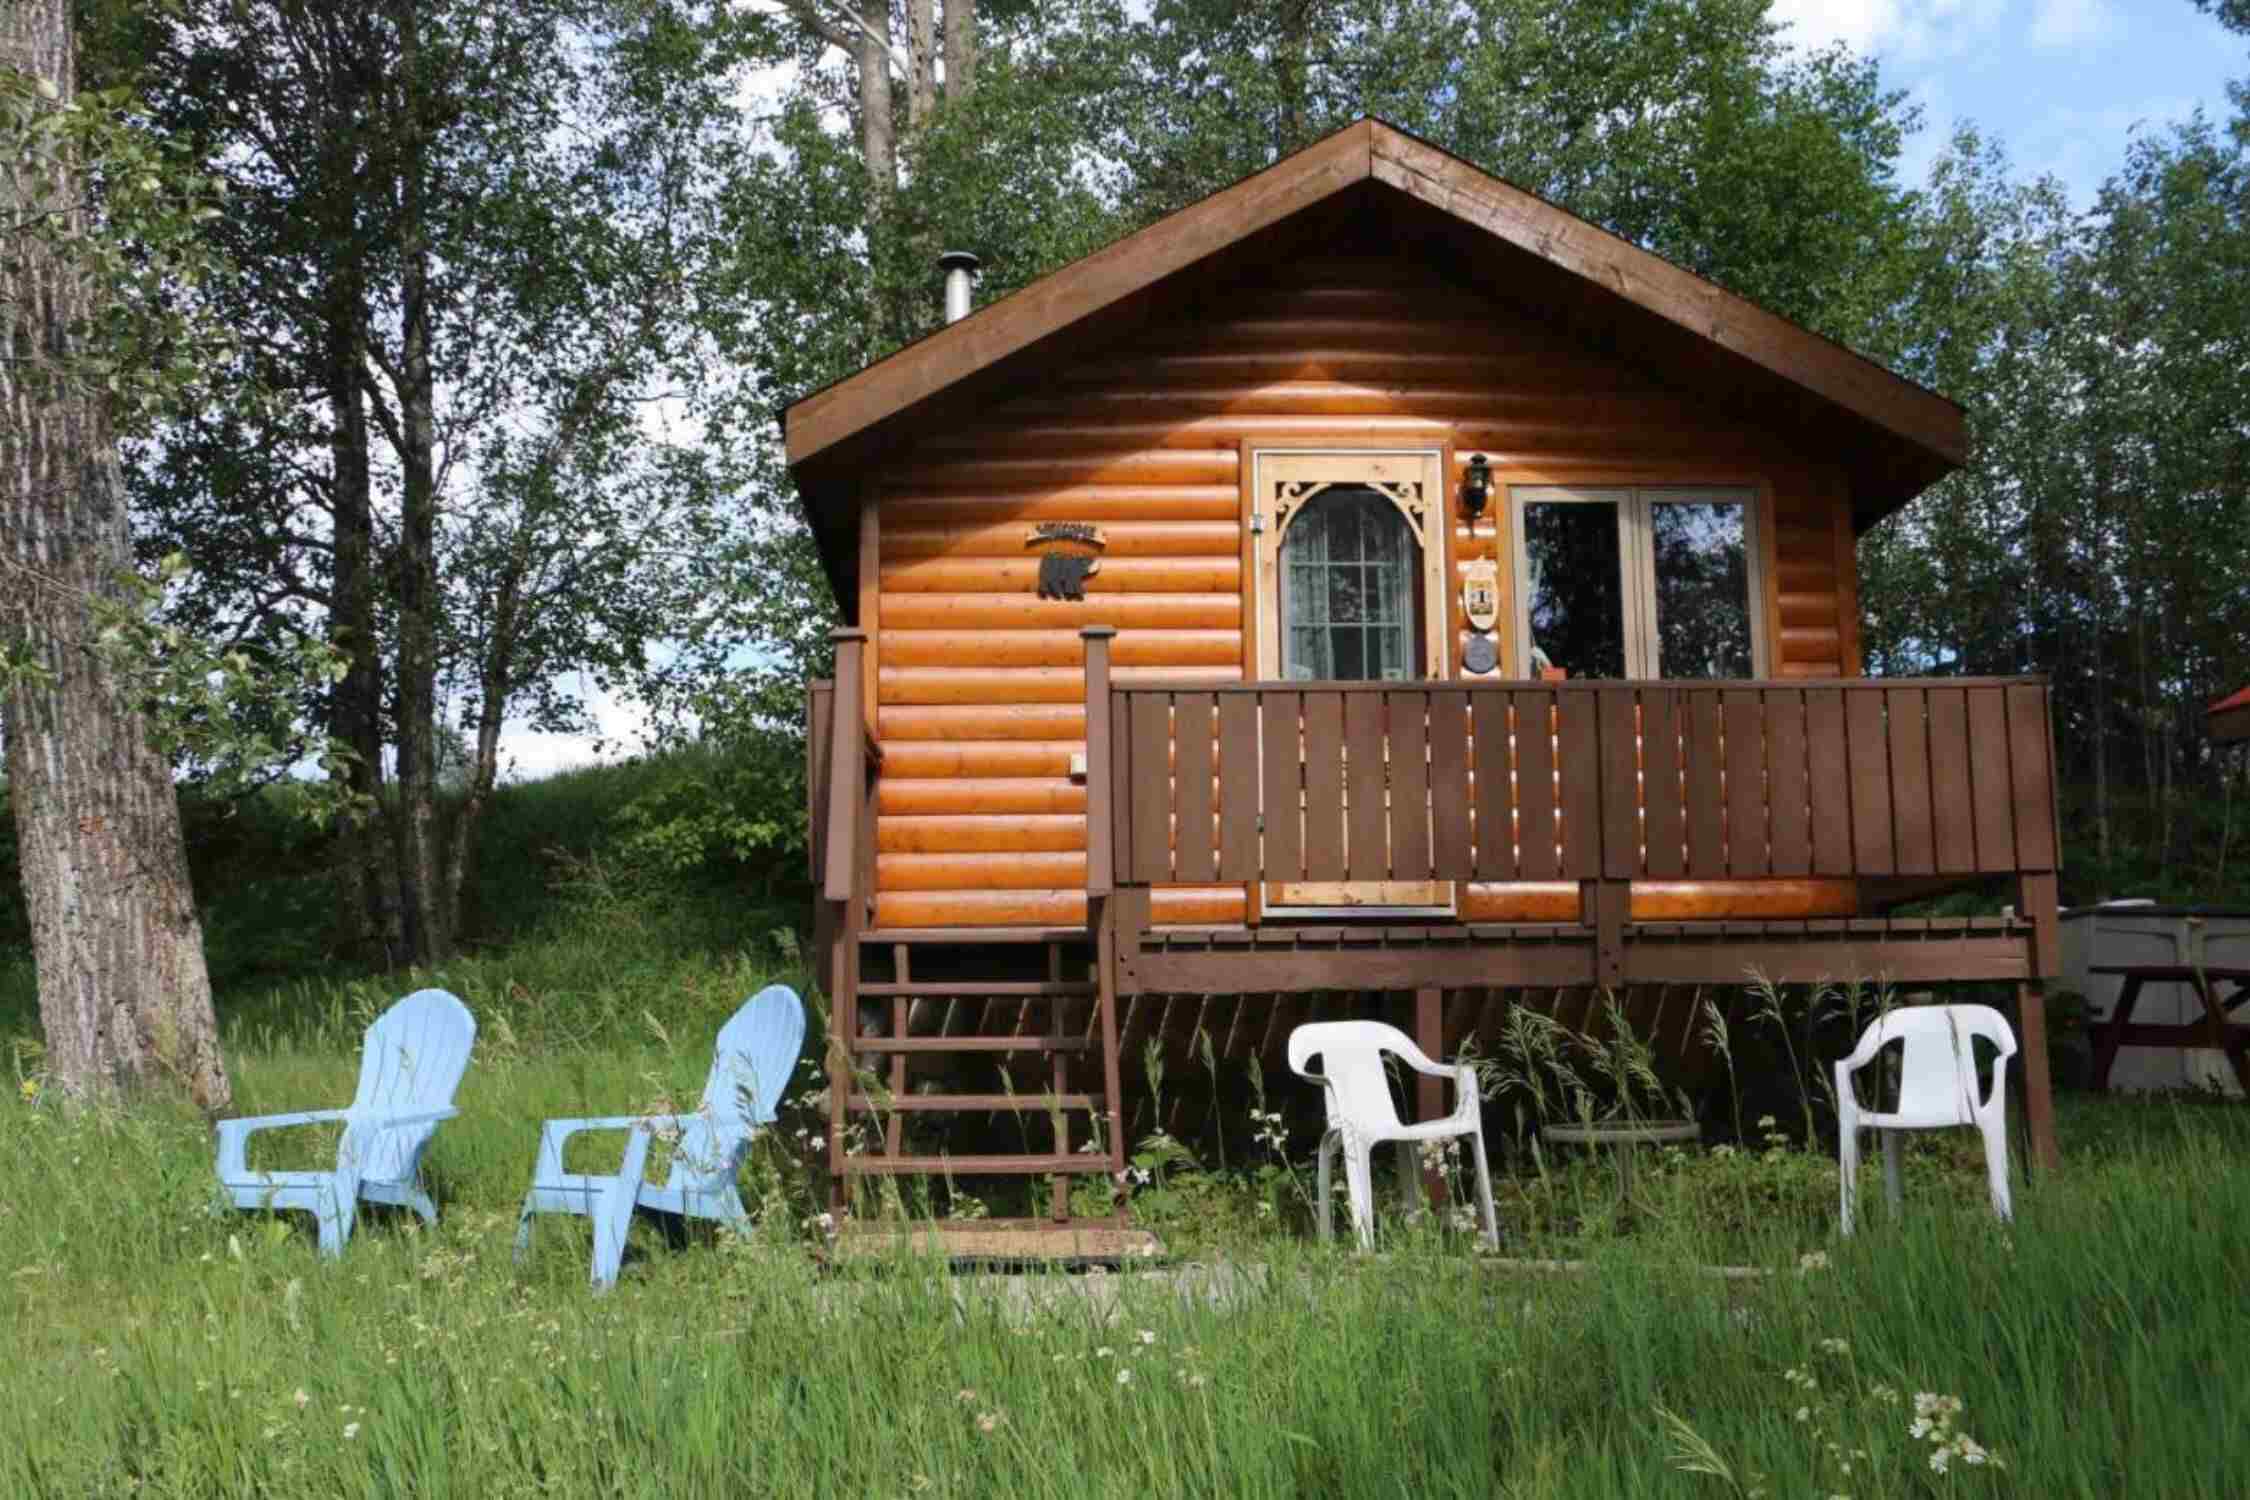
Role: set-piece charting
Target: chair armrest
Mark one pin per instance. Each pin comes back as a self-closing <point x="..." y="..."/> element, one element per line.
<point x="554" y="1133"/>
<point x="234" y="1135"/>
<point x="423" y="1117"/>
<point x="1860" y="1056"/>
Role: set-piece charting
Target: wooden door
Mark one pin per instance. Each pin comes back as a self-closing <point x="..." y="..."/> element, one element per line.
<point x="1349" y="586"/>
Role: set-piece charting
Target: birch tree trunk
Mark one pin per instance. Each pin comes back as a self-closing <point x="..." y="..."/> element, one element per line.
<point x="421" y="853"/>
<point x="960" y="49"/>
<point x="124" y="995"/>
<point x="921" y="51"/>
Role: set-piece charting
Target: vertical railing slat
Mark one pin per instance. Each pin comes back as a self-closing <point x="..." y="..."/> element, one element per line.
<point x="1496" y="832"/>
<point x="1904" y="708"/>
<point x="1992" y="788"/>
<point x="1407" y="718"/>
<point x="1952" y="821"/>
<point x="1324" y="787"/>
<point x="2030" y="745"/>
<point x="1788" y="812"/>
<point x="1284" y="783"/>
<point x="1706" y="792"/>
<point x="1616" y="734"/>
<point x="1747" y="819"/>
<point x="1828" y="786"/>
<point x="1239" y="800"/>
<point x="1867" y="743"/>
<point x="1578" y="771"/>
<point x="1537" y="855"/>
<point x="1152" y="795"/>
<point x="1366" y="775"/>
<point x="1194" y="740"/>
<point x="1452" y="831"/>
<point x="1664" y="814"/>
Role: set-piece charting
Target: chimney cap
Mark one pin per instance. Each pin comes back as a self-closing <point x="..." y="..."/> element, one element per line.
<point x="958" y="260"/>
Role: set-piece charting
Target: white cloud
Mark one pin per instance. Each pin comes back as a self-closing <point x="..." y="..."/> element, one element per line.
<point x="1907" y="30"/>
<point x="2073" y="23"/>
<point x="529" y="754"/>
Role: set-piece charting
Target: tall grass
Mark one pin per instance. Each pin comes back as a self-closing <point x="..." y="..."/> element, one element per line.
<point x="160" y="1348"/>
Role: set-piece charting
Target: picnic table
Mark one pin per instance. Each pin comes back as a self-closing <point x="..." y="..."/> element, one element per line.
<point x="2216" y="1030"/>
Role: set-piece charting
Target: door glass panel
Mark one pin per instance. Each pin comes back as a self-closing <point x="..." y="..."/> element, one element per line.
<point x="1574" y="585"/>
<point x="1347" y="590"/>
<point x="1702" y="561"/>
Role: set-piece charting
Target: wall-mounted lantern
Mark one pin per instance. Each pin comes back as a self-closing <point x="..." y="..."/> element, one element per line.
<point x="1476" y="490"/>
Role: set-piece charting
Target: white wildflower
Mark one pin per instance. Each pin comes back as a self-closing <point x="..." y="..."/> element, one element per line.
<point x="1124" y="1377"/>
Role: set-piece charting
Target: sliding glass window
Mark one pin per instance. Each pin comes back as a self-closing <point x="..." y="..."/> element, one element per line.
<point x="1638" y="582"/>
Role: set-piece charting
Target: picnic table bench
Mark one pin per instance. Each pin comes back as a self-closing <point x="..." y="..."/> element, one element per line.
<point x="2216" y="1030"/>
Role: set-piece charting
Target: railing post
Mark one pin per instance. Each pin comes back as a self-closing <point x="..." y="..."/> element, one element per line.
<point x="847" y="768"/>
<point x="847" y="791"/>
<point x="1100" y="877"/>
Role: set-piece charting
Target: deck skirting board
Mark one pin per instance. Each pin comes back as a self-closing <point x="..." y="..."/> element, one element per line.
<point x="1231" y="963"/>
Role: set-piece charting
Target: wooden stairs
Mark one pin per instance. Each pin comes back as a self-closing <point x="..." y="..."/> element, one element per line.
<point x="1052" y="1048"/>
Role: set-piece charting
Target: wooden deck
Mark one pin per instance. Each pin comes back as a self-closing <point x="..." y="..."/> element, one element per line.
<point x="1604" y="789"/>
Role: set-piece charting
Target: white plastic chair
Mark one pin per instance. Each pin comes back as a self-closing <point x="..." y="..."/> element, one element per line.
<point x="1360" y="1113"/>
<point x="1937" y="1087"/>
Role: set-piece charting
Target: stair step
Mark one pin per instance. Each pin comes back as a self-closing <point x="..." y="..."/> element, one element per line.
<point x="940" y="1103"/>
<point x="1021" y="1166"/>
<point x="915" y="1044"/>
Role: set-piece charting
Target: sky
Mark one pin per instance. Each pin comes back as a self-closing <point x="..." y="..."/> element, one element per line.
<point x="2061" y="82"/>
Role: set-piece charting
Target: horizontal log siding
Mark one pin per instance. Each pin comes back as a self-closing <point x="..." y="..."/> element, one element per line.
<point x="978" y="688"/>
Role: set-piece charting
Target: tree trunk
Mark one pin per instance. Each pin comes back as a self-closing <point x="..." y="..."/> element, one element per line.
<point x="124" y="995"/>
<point x="427" y="933"/>
<point x="878" y="131"/>
<point x="370" y="883"/>
<point x="960" y="50"/>
<point x="921" y="51"/>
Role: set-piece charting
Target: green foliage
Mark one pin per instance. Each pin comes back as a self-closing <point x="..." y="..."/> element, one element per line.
<point x="123" y="206"/>
<point x="738" y="804"/>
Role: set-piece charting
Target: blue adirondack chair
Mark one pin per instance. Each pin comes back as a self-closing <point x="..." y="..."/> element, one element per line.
<point x="409" y="1066"/>
<point x="757" y="1052"/>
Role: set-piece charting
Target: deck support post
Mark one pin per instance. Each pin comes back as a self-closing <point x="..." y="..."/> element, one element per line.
<point x="2041" y="899"/>
<point x="1429" y="1035"/>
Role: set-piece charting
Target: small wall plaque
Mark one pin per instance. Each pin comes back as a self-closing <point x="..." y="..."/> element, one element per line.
<point x="1084" y="533"/>
<point x="1480" y="593"/>
<point x="1480" y="656"/>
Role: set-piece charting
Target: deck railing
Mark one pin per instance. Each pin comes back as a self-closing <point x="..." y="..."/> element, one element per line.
<point x="1503" y="781"/>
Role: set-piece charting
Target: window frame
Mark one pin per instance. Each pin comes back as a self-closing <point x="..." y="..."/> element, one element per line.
<point x="1414" y="622"/>
<point x="1636" y="562"/>
<point x="1315" y="466"/>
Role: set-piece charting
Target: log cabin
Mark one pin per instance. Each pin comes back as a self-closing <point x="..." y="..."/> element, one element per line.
<point x="1371" y="589"/>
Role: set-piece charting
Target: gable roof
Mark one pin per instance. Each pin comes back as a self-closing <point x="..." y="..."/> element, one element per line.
<point x="1895" y="436"/>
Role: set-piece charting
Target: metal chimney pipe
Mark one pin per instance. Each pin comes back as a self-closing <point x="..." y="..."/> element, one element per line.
<point x="959" y="266"/>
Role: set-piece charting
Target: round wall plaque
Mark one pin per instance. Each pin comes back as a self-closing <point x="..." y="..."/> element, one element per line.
<point x="1480" y="655"/>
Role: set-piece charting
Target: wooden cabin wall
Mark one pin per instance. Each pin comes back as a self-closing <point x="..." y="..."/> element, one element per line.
<point x="978" y="682"/>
